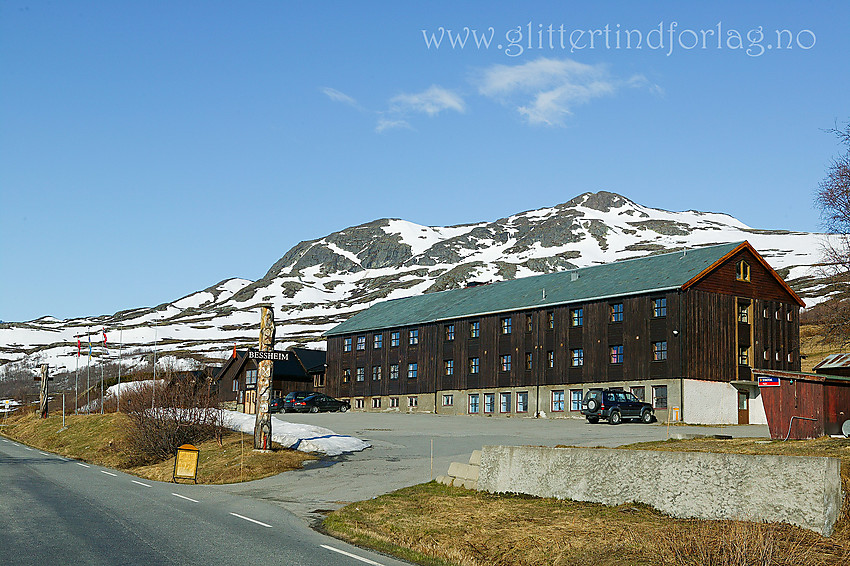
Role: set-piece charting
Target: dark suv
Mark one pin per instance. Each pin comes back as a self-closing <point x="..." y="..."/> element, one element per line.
<point x="614" y="405"/>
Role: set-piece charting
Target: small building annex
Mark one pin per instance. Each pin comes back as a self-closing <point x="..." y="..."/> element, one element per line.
<point x="682" y="330"/>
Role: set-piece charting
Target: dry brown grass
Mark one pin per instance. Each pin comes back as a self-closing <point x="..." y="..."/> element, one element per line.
<point x="816" y="347"/>
<point x="102" y="440"/>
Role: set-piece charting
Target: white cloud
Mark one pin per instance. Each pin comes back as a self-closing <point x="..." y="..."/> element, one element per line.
<point x="338" y="96"/>
<point x="431" y="101"/>
<point x="384" y="124"/>
<point x="545" y="91"/>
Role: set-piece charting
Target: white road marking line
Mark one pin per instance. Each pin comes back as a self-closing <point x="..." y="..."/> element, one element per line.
<point x="83" y="465"/>
<point x="350" y="555"/>
<point x="140" y="483"/>
<point x="108" y="473"/>
<point x="184" y="497"/>
<point x="45" y="454"/>
<point x="4" y="440"/>
<point x="252" y="520"/>
<point x="28" y="448"/>
<point x="63" y="459"/>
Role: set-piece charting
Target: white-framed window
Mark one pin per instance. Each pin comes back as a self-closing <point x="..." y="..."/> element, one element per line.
<point x="361" y="343"/>
<point x="250" y="379"/>
<point x="766" y="355"/>
<point x="413" y="337"/>
<point x="473" y="403"/>
<point x="789" y="317"/>
<point x="505" y="361"/>
<point x="376" y="373"/>
<point x="412" y="370"/>
<point x="489" y="402"/>
<point x="659" y="351"/>
<point x="529" y="359"/>
<point x="504" y="402"/>
<point x="529" y="323"/>
<point x="659" y="396"/>
<point x="744" y="312"/>
<point x="577" y="317"/>
<point x="448" y="400"/>
<point x="577" y="357"/>
<point x="550" y="359"/>
<point x="450" y="332"/>
<point x="393" y="371"/>
<point x="346" y="344"/>
<point x="360" y="374"/>
<point x="395" y="339"/>
<point x="742" y="271"/>
<point x="550" y="320"/>
<point x="378" y="341"/>
<point x="236" y="385"/>
<point x="557" y="401"/>
<point x="376" y="402"/>
<point x="778" y="314"/>
<point x="743" y="356"/>
<point x="616" y="312"/>
<point x="346" y="375"/>
<point x="659" y="307"/>
<point x="319" y="380"/>
<point x="506" y="325"/>
<point x="575" y="399"/>
<point x="449" y="366"/>
<point x="617" y="354"/>
<point x="522" y="402"/>
<point x="639" y="392"/>
<point x="413" y="401"/>
<point x="778" y="356"/>
<point x="474" y="365"/>
<point x="790" y="358"/>
<point x="393" y="402"/>
<point x="358" y="403"/>
<point x="474" y="329"/>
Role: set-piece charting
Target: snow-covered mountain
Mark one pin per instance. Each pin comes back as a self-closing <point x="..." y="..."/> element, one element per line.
<point x="319" y="283"/>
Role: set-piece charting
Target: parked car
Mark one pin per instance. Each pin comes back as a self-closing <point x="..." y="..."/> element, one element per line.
<point x="305" y="402"/>
<point x="275" y="405"/>
<point x="614" y="405"/>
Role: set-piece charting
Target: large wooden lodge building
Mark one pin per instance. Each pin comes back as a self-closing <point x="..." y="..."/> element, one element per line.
<point x="682" y="330"/>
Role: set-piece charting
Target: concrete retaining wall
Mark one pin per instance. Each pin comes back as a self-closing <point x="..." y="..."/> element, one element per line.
<point x="801" y="491"/>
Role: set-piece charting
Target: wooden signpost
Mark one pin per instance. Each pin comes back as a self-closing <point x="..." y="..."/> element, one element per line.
<point x="263" y="423"/>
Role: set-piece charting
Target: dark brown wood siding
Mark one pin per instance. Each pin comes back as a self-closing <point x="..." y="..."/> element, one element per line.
<point x="762" y="283"/>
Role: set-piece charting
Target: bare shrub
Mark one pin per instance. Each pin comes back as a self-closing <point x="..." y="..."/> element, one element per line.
<point x="176" y="411"/>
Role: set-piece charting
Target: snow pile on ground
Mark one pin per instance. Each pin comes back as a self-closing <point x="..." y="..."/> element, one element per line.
<point x="129" y="387"/>
<point x="306" y="438"/>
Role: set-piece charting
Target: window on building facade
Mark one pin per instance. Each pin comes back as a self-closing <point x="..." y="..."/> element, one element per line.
<point x="788" y="316"/>
<point x="346" y="344"/>
<point x="529" y="323"/>
<point x="659" y="307"/>
<point x="319" y="380"/>
<point x="393" y="402"/>
<point x="413" y="401"/>
<point x="474" y="329"/>
<point x="412" y="370"/>
<point x="346" y="375"/>
<point x="251" y="379"/>
<point x="777" y="355"/>
<point x="413" y="337"/>
<point x="522" y="402"/>
<point x="742" y="271"/>
<point x="235" y="385"/>
<point x="790" y="357"/>
<point x="550" y="359"/>
<point x="473" y="365"/>
<point x="743" y="356"/>
<point x="376" y="373"/>
<point x="528" y="361"/>
<point x="506" y="325"/>
<point x="489" y="402"/>
<point x="659" y="396"/>
<point x="504" y="402"/>
<point x="778" y="314"/>
<point x="616" y="312"/>
<point x="393" y="371"/>
<point x="361" y="342"/>
<point x="358" y="403"/>
<point x="473" y="403"/>
<point x="577" y="357"/>
<point x="378" y="341"/>
<point x="448" y="400"/>
<point x="450" y="367"/>
<point x="395" y="339"/>
<point x="450" y="332"/>
<point x="550" y="320"/>
<point x="766" y="313"/>
<point x="616" y="354"/>
<point x="575" y="399"/>
<point x="557" y="401"/>
<point x="376" y="402"/>
<point x="505" y="362"/>
<point x="577" y="317"/>
<point x="744" y="312"/>
<point x="639" y="392"/>
<point x="659" y="351"/>
<point x="360" y="374"/>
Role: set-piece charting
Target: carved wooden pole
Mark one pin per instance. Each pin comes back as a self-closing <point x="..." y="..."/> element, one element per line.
<point x="263" y="423"/>
<point x="43" y="392"/>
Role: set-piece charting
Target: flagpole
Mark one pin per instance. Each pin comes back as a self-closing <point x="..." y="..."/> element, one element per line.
<point x="76" y="373"/>
<point x="120" y="346"/>
<point x="153" y="389"/>
<point x="106" y="356"/>
<point x="88" y="374"/>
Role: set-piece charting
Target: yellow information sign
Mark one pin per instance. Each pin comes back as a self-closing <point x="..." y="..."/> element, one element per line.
<point x="186" y="463"/>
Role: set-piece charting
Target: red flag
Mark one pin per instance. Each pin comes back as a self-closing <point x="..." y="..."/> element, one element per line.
<point x="234" y="351"/>
<point x="79" y="347"/>
<point x="104" y="337"/>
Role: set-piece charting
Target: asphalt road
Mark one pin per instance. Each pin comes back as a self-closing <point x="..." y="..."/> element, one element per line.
<point x="59" y="511"/>
<point x="402" y="446"/>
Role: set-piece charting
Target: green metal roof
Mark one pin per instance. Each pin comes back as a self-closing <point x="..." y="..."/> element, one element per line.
<point x="661" y="272"/>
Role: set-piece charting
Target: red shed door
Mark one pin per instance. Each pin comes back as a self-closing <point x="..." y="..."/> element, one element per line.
<point x="743" y="407"/>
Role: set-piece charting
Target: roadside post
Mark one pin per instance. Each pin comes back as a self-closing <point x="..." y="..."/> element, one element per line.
<point x="186" y="463"/>
<point x="263" y="422"/>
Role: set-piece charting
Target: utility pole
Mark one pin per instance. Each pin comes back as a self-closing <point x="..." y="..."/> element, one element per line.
<point x="263" y="423"/>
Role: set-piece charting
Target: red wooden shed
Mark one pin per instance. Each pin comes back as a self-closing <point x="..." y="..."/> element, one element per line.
<point x="804" y="405"/>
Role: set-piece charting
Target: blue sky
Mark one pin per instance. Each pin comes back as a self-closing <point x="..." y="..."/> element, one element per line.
<point x="146" y="147"/>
